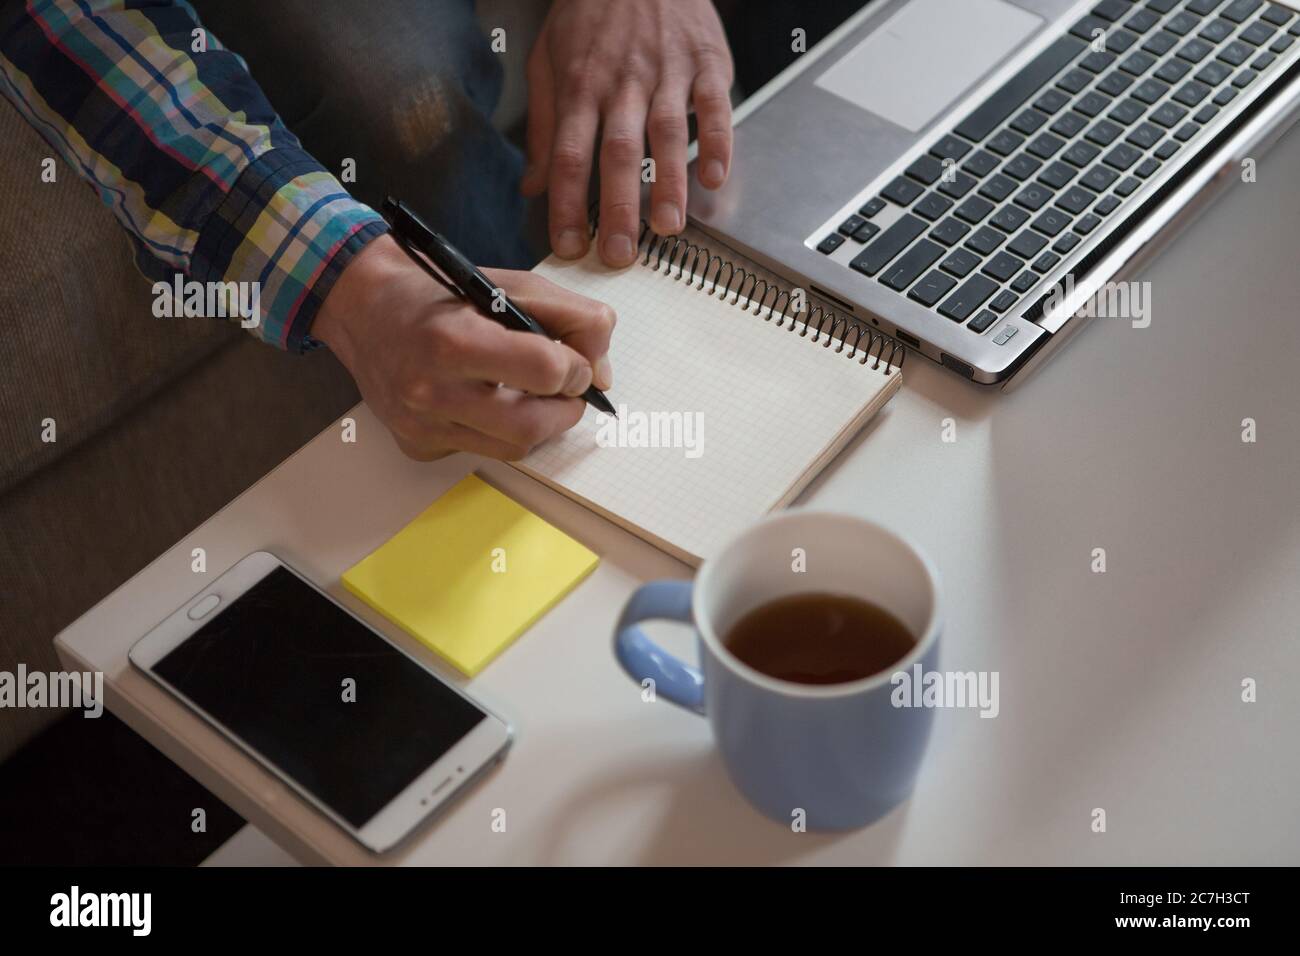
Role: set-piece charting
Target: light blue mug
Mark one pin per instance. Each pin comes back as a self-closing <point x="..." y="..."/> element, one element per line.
<point x="843" y="755"/>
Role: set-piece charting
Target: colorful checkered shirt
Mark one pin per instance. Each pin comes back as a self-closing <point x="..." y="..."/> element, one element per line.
<point x="181" y="144"/>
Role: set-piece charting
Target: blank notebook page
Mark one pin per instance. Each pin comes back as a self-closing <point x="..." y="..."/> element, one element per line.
<point x="767" y="410"/>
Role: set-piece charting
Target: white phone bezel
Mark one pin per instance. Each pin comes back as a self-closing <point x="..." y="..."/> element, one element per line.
<point x="431" y="790"/>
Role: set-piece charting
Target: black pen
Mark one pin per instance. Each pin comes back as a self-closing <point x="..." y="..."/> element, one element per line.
<point x="466" y="281"/>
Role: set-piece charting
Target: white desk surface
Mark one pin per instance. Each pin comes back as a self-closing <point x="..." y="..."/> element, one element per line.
<point x="1119" y="690"/>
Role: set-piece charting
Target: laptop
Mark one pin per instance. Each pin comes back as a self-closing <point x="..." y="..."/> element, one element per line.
<point x="969" y="175"/>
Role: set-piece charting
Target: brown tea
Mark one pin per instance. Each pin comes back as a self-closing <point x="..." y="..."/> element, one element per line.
<point x="819" y="639"/>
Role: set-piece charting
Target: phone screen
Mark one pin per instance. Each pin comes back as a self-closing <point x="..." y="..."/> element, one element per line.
<point x="345" y="714"/>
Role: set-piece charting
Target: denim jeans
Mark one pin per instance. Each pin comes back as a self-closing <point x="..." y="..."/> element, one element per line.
<point x="405" y="89"/>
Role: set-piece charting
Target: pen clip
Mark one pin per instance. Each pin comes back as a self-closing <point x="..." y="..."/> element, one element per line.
<point x="423" y="262"/>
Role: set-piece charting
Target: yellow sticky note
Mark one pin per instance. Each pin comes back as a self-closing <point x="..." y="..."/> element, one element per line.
<point x="470" y="574"/>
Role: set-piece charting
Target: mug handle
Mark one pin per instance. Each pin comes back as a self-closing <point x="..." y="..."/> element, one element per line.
<point x="642" y="658"/>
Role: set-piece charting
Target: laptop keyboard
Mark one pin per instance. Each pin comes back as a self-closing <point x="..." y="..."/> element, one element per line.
<point x="1039" y="166"/>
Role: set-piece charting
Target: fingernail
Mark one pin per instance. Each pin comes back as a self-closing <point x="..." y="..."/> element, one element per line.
<point x="579" y="380"/>
<point x="713" y="173"/>
<point x="604" y="377"/>
<point x="618" y="249"/>
<point x="668" y="218"/>
<point x="568" y="244"/>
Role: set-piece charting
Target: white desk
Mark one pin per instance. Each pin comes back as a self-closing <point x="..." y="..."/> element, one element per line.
<point x="1118" y="690"/>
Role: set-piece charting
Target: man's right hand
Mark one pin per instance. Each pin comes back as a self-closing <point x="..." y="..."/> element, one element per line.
<point x="429" y="364"/>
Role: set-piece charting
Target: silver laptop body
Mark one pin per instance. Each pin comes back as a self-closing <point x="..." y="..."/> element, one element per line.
<point x="907" y="89"/>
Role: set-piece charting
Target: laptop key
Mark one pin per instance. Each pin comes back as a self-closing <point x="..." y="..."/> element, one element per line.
<point x="998" y="187"/>
<point x="1186" y="132"/>
<point x="950" y="147"/>
<point x="1022" y="167"/>
<point x="1276" y="14"/>
<point x="1003" y="301"/>
<point x="1112" y="9"/>
<point x="1103" y="132"/>
<point x="1127" y="111"/>
<point x="1195" y="50"/>
<point x="1120" y="40"/>
<point x="1262" y="62"/>
<point x="1239" y="10"/>
<point x="1150" y="91"/>
<point x="1122" y="157"/>
<point x="1281" y="44"/>
<point x="1172" y="71"/>
<point x="1009" y="218"/>
<point x="1003" y="266"/>
<point x="1052" y="222"/>
<point x="1057" y="175"/>
<point x="932" y="206"/>
<point x="902" y="191"/>
<point x="849" y="226"/>
<point x="1182" y="23"/>
<point x="1080" y="154"/>
<point x="1099" y="178"/>
<point x="1028" y="121"/>
<point x="1024" y="282"/>
<point x="982" y="321"/>
<point x="1167" y="149"/>
<point x="888" y="245"/>
<point x="1087" y="224"/>
<point x="985" y="240"/>
<point x="1097" y="62"/>
<point x="1162" y="6"/>
<point x="1168" y="115"/>
<point x="1224" y="96"/>
<point x="1243" y="78"/>
<point x="1115" y="83"/>
<point x="1075" y="200"/>
<point x="960" y="263"/>
<point x="1092" y="103"/>
<point x="925" y="169"/>
<point x="1066" y="243"/>
<point x="1027" y="244"/>
<point x="1202" y="7"/>
<point x="1160" y="43"/>
<point x="949" y="232"/>
<point x="1033" y="197"/>
<point x="974" y="209"/>
<point x="932" y="288"/>
<point x="1051" y="101"/>
<point x="1148" y="168"/>
<point x="1126" y="187"/>
<point x="1142" y="21"/>
<point x="980" y="164"/>
<point x="1191" y="93"/>
<point x="1005" y="143"/>
<point x="1217" y="31"/>
<point x="866" y="232"/>
<point x="1028" y="82"/>
<point x="1046" y="262"/>
<point x="1236" y="53"/>
<point x="1045" y="146"/>
<point x="1214" y="73"/>
<point x="1258" y="33"/>
<point x="1106" y="206"/>
<point x="830" y="243"/>
<point x="904" y="271"/>
<point x="1145" y="135"/>
<point x="1070" y="124"/>
<point x="970" y="295"/>
<point x="1086" y="29"/>
<point x="958" y="185"/>
<point x="1138" y="63"/>
<point x="1074" y="81"/>
<point x="871" y="207"/>
<point x="1206" y="113"/>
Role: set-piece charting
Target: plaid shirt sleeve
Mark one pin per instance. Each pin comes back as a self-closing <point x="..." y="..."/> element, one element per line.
<point x="184" y="148"/>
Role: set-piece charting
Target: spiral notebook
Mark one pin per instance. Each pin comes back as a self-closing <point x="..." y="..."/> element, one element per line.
<point x="730" y="400"/>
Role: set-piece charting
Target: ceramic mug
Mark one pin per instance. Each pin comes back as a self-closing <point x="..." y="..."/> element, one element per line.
<point x="842" y="754"/>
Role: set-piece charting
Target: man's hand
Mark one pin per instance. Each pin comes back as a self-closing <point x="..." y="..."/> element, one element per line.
<point x="428" y="364"/>
<point x="626" y="69"/>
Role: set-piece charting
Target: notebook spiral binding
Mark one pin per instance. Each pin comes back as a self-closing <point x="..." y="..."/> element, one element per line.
<point x="680" y="258"/>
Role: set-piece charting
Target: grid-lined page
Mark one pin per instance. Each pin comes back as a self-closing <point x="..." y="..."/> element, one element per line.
<point x="744" y="407"/>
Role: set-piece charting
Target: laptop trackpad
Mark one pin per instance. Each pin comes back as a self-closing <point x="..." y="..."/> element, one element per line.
<point x="926" y="55"/>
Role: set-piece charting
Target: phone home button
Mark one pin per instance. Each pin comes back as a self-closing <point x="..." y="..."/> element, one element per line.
<point x="203" y="607"/>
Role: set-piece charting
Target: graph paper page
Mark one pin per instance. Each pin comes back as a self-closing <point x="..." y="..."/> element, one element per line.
<point x="749" y="411"/>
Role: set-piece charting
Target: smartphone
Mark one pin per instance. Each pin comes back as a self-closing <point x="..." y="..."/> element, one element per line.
<point x="370" y="736"/>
